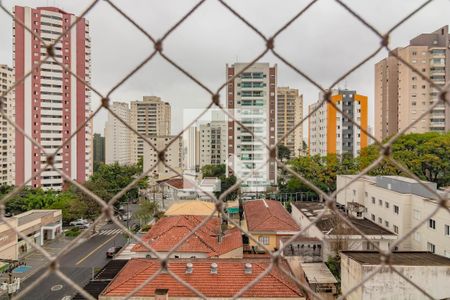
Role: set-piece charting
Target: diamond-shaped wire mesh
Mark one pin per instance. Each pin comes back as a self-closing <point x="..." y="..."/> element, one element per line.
<point x="270" y="42"/>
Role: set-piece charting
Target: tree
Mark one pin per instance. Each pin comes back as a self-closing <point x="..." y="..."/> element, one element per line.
<point x="213" y="170"/>
<point x="148" y="209"/>
<point x="283" y="152"/>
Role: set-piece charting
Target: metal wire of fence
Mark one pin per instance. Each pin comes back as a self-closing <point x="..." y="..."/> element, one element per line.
<point x="107" y="208"/>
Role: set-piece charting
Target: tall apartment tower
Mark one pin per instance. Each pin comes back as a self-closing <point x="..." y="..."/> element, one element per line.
<point x="150" y="117"/>
<point x="51" y="103"/>
<point x="173" y="157"/>
<point x="251" y="99"/>
<point x="213" y="140"/>
<point x="99" y="148"/>
<point x="401" y="95"/>
<point x="332" y="133"/>
<point x="289" y="114"/>
<point x="117" y="135"/>
<point x="191" y="150"/>
<point x="7" y="163"/>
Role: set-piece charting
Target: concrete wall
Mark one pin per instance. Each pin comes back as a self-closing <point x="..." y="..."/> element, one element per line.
<point x="433" y="279"/>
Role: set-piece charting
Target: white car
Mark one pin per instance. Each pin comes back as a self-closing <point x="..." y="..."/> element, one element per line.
<point x="126" y="216"/>
<point x="81" y="223"/>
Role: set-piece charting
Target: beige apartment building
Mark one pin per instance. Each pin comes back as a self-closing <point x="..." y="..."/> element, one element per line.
<point x="150" y="117"/>
<point x="172" y="156"/>
<point x="118" y="135"/>
<point x="399" y="204"/>
<point x="213" y="140"/>
<point x="289" y="114"/>
<point x="401" y="95"/>
<point x="7" y="131"/>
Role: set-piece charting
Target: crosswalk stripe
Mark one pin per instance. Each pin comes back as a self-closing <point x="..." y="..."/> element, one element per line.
<point x="110" y="231"/>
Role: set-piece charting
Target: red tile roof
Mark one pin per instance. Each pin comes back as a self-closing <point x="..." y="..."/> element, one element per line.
<point x="268" y="215"/>
<point x="168" y="231"/>
<point x="179" y="183"/>
<point x="228" y="281"/>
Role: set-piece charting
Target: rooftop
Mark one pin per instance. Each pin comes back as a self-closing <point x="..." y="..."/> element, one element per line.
<point x="268" y="215"/>
<point x="329" y="222"/>
<point x="168" y="231"/>
<point x="230" y="278"/>
<point x="405" y="258"/>
<point x="191" y="207"/>
<point x="179" y="183"/>
<point x="33" y="215"/>
<point x="318" y="273"/>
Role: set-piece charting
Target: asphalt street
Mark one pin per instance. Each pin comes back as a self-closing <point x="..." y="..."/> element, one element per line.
<point x="78" y="264"/>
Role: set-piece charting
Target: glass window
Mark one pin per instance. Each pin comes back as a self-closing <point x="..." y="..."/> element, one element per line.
<point x="432" y="223"/>
<point x="447" y="230"/>
<point x="431" y="247"/>
<point x="395" y="229"/>
<point x="264" y="240"/>
<point x="396" y="209"/>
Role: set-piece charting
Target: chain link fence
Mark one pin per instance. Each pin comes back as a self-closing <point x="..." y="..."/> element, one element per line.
<point x="269" y="41"/>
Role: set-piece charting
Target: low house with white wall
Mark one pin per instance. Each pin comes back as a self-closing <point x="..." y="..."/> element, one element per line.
<point x="429" y="271"/>
<point x="399" y="204"/>
<point x="337" y="235"/>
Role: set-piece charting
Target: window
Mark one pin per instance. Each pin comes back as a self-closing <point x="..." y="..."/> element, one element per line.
<point x="431" y="247"/>
<point x="395" y="229"/>
<point x="386" y="223"/>
<point x="380" y="202"/>
<point x="417" y="236"/>
<point x="380" y="220"/>
<point x="447" y="230"/>
<point x="396" y="209"/>
<point x="373" y="217"/>
<point x="432" y="224"/>
<point x="373" y="200"/>
<point x="386" y="204"/>
<point x="264" y="240"/>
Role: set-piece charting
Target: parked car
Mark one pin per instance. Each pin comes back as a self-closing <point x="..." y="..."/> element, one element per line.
<point x="80" y="223"/>
<point x="112" y="251"/>
<point x="126" y="216"/>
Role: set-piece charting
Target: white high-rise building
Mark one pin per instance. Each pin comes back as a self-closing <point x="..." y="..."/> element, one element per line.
<point x="117" y="135"/>
<point x="51" y="103"/>
<point x="7" y="150"/>
<point x="251" y="98"/>
<point x="191" y="150"/>
<point x="173" y="157"/>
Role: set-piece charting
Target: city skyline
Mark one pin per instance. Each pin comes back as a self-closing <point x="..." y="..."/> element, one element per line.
<point x="185" y="94"/>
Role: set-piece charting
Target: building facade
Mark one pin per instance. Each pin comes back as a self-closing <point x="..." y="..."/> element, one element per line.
<point x="213" y="142"/>
<point x="332" y="133"/>
<point x="191" y="150"/>
<point x="51" y="103"/>
<point x="7" y="150"/>
<point x="399" y="204"/>
<point x="289" y="114"/>
<point x="99" y="148"/>
<point x="429" y="271"/>
<point x="172" y="156"/>
<point x="251" y="99"/>
<point x="150" y="117"/>
<point x="401" y="95"/>
<point x="117" y="135"/>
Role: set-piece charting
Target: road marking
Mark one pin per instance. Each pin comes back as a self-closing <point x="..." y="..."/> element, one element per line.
<point x="92" y="252"/>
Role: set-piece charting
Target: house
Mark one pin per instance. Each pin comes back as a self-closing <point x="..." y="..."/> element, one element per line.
<point x="213" y="278"/>
<point x="39" y="225"/>
<point x="191" y="207"/>
<point x="178" y="188"/>
<point x="268" y="221"/>
<point x="208" y="186"/>
<point x="320" y="280"/>
<point x="337" y="235"/>
<point x="210" y="240"/>
<point x="430" y="271"/>
<point x="400" y="204"/>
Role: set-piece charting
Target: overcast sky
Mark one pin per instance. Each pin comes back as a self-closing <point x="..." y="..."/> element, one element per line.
<point x="324" y="43"/>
